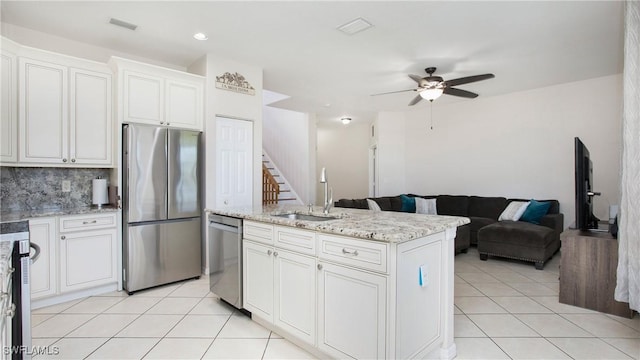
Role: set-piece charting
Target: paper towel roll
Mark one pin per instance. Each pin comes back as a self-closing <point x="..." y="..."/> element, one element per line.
<point x="100" y="192"/>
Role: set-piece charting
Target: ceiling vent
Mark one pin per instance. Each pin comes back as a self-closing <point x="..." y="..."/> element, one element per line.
<point x="355" y="26"/>
<point x="123" y="24"/>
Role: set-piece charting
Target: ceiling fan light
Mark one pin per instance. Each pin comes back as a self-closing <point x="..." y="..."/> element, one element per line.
<point x="431" y="94"/>
<point x="345" y="120"/>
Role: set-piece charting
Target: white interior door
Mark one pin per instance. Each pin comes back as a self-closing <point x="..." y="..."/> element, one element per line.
<point x="234" y="158"/>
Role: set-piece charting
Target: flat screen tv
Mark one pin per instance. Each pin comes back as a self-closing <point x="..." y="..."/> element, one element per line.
<point x="584" y="188"/>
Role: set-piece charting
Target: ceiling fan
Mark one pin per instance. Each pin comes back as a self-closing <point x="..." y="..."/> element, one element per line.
<point x="431" y="87"/>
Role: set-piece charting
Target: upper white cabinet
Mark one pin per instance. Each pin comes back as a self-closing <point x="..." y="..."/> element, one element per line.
<point x="43" y="112"/>
<point x="8" y="104"/>
<point x="154" y="95"/>
<point x="65" y="111"/>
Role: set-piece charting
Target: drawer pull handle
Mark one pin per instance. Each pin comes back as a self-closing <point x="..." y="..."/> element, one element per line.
<point x="89" y="222"/>
<point x="62" y="237"/>
<point x="347" y="252"/>
<point x="319" y="266"/>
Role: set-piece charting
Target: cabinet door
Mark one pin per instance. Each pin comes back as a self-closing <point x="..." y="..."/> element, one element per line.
<point x="257" y="266"/>
<point x="43" y="112"/>
<point x="90" y="118"/>
<point x="184" y="104"/>
<point x="8" y="108"/>
<point x="87" y="259"/>
<point x="295" y="294"/>
<point x="351" y="313"/>
<point x="42" y="232"/>
<point x="143" y="98"/>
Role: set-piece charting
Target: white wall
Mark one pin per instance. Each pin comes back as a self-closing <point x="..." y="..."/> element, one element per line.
<point x="390" y="140"/>
<point x="344" y="151"/>
<point x="233" y="105"/>
<point x="517" y="145"/>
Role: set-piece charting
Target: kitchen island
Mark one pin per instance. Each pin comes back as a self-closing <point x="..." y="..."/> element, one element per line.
<point x="362" y="284"/>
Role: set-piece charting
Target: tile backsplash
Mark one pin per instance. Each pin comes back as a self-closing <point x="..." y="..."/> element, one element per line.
<point x="24" y="189"/>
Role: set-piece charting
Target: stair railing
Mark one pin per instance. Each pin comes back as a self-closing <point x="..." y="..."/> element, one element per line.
<point x="270" y="187"/>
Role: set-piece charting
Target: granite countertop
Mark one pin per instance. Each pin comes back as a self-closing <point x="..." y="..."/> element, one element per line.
<point x="388" y="226"/>
<point x="27" y="214"/>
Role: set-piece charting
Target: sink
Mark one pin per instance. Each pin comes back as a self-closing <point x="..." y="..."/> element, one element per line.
<point x="306" y="217"/>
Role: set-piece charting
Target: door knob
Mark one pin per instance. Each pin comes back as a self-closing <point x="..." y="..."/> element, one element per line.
<point x="319" y="266"/>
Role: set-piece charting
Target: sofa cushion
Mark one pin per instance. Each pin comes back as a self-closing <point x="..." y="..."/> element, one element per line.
<point x="479" y="222"/>
<point x="352" y="203"/>
<point x="516" y="233"/>
<point x="389" y="203"/>
<point x="554" y="205"/>
<point x="426" y="206"/>
<point x="408" y="204"/>
<point x="455" y="205"/>
<point x="535" y="211"/>
<point x="488" y="207"/>
<point x="373" y="205"/>
<point x="514" y="211"/>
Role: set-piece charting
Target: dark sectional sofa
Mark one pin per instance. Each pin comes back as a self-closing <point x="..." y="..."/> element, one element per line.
<point x="512" y="239"/>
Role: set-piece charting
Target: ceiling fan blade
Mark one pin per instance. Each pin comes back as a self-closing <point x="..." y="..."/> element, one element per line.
<point x="415" y="100"/>
<point x="469" y="79"/>
<point x="461" y="93"/>
<point x="416" y="78"/>
<point x="393" y="92"/>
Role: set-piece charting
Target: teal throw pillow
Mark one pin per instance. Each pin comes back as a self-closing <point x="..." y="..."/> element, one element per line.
<point x="535" y="211"/>
<point x="408" y="204"/>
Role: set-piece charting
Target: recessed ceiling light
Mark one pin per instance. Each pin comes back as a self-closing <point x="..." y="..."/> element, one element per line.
<point x="345" y="120"/>
<point x="200" y="36"/>
<point x="355" y="26"/>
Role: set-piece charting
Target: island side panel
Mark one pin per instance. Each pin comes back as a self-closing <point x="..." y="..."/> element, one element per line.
<point x="419" y="297"/>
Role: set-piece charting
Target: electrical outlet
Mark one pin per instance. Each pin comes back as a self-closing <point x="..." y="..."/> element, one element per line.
<point x="66" y="186"/>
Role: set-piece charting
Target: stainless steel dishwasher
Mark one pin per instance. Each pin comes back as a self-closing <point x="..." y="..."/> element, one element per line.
<point x="225" y="258"/>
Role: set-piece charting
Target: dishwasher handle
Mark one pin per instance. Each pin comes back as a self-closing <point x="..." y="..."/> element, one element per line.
<point x="223" y="227"/>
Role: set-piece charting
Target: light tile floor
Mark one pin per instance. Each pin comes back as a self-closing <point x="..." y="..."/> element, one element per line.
<point x="503" y="310"/>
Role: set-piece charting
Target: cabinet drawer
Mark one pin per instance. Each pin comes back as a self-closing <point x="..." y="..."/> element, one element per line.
<point x="87" y="222"/>
<point x="295" y="239"/>
<point x="258" y="232"/>
<point x="362" y="254"/>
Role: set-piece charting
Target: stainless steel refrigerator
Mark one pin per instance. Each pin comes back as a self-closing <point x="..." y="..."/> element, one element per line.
<point x="161" y="206"/>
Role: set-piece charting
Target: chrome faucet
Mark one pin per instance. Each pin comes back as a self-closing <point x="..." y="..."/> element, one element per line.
<point x="328" y="193"/>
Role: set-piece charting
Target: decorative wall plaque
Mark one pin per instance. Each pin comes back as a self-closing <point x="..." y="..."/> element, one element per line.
<point x="234" y="82"/>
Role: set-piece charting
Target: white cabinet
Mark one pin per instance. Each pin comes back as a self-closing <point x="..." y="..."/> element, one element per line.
<point x="258" y="279"/>
<point x="295" y="294"/>
<point x="279" y="285"/>
<point x="8" y="107"/>
<point x="158" y="96"/>
<point x="42" y="232"/>
<point x="88" y="251"/>
<point x="351" y="312"/>
<point x="78" y="254"/>
<point x="43" y="112"/>
<point x="65" y="113"/>
<point x="90" y="118"/>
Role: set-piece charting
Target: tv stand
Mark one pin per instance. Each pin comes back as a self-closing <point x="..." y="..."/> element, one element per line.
<point x="588" y="267"/>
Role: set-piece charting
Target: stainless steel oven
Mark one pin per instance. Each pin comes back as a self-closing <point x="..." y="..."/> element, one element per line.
<point x="225" y="258"/>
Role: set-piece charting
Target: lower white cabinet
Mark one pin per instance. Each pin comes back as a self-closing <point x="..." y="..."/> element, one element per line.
<point x="351" y="312"/>
<point x="295" y="294"/>
<point x="258" y="279"/>
<point x="42" y="232"/>
<point x="279" y="287"/>
<point x="87" y="259"/>
<point x="77" y="252"/>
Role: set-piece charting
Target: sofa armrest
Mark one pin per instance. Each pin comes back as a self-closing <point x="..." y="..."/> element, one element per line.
<point x="555" y="222"/>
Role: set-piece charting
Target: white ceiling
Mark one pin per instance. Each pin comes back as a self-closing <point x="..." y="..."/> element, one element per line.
<point x="525" y="44"/>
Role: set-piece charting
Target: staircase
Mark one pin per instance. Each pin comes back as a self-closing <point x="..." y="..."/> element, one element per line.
<point x="285" y="195"/>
